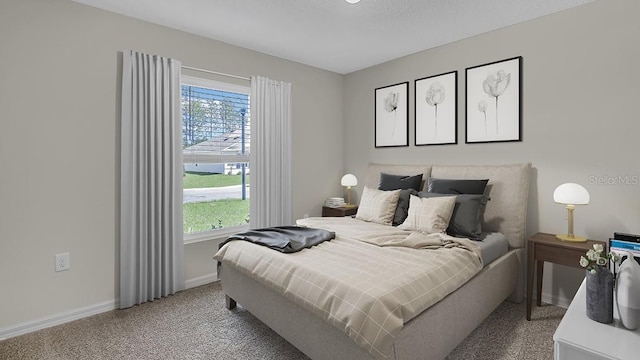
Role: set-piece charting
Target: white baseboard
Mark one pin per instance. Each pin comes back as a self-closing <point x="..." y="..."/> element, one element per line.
<point x="201" y="280"/>
<point x="31" y="326"/>
<point x="559" y="301"/>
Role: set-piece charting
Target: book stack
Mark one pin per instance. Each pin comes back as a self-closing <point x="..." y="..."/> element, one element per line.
<point x="624" y="244"/>
<point x="334" y="202"/>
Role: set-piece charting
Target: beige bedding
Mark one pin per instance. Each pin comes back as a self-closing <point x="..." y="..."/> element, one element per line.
<point x="368" y="292"/>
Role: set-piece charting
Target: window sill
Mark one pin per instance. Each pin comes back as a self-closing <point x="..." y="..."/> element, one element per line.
<point x="213" y="234"/>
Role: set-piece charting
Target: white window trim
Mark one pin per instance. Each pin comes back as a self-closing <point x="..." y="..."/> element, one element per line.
<point x="212" y="84"/>
<point x="215" y="234"/>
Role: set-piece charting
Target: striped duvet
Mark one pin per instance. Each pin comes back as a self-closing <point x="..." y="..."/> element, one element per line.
<point x="368" y="281"/>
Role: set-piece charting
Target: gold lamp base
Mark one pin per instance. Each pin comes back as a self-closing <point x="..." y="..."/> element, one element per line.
<point x="573" y="238"/>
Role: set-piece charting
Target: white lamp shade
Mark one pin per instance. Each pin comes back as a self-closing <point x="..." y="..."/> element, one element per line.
<point x="349" y="180"/>
<point x="352" y="2"/>
<point x="571" y="193"/>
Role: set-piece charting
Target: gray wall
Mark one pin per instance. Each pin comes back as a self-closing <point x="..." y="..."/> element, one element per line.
<point x="59" y="140"/>
<point x="580" y="117"/>
<point x="59" y="133"/>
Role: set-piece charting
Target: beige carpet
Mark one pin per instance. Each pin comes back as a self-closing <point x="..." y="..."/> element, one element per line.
<point x="195" y="325"/>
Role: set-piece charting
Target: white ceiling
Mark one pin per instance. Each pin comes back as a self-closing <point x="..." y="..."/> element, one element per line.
<point x="333" y="34"/>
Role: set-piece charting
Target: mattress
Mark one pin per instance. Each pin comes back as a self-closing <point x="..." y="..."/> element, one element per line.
<point x="347" y="281"/>
<point x="492" y="247"/>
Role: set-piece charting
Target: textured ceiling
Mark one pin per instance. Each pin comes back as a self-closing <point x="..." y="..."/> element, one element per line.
<point x="333" y="34"/>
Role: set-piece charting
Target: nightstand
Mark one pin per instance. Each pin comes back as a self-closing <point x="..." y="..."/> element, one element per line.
<point x="339" y="211"/>
<point x="543" y="247"/>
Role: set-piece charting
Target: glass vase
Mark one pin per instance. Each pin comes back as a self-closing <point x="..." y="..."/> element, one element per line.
<point x="600" y="295"/>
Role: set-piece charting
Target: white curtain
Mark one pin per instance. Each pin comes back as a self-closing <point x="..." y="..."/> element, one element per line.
<point x="151" y="245"/>
<point x="270" y="156"/>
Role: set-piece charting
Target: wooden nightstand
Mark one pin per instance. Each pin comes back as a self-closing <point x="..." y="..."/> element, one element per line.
<point x="543" y="247"/>
<point x="339" y="212"/>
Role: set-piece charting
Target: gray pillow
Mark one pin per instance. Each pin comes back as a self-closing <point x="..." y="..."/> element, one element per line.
<point x="468" y="213"/>
<point x="395" y="182"/>
<point x="408" y="184"/>
<point x="402" y="210"/>
<point x="457" y="186"/>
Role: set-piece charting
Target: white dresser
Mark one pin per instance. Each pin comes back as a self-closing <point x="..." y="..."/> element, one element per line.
<point x="580" y="338"/>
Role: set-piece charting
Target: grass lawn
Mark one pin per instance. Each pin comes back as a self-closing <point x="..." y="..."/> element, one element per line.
<point x="205" y="180"/>
<point x="203" y="216"/>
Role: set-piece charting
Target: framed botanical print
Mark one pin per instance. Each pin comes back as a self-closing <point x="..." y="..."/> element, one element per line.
<point x="436" y="109"/>
<point x="493" y="111"/>
<point x="391" y="123"/>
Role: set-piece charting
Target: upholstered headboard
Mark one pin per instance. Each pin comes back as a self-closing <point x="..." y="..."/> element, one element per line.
<point x="508" y="188"/>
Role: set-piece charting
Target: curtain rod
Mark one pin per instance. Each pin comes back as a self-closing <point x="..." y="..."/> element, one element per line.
<point x="216" y="73"/>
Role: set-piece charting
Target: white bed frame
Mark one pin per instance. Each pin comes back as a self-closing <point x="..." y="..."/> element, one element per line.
<point x="438" y="330"/>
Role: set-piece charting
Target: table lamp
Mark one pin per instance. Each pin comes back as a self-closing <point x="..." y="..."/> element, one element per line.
<point x="571" y="194"/>
<point x="349" y="180"/>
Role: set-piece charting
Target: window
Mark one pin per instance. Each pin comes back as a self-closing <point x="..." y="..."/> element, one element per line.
<point x="216" y="146"/>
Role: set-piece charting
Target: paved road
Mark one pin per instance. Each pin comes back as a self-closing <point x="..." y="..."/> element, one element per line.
<point x="214" y="193"/>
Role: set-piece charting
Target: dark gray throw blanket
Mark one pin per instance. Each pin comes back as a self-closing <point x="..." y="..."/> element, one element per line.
<point x="286" y="239"/>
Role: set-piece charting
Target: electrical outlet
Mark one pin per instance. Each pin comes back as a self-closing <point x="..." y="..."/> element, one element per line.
<point x="63" y="262"/>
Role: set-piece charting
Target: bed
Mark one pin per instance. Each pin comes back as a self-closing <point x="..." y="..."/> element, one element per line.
<point x="432" y="333"/>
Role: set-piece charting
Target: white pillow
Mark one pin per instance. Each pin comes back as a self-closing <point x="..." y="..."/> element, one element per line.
<point x="378" y="206"/>
<point x="429" y="215"/>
